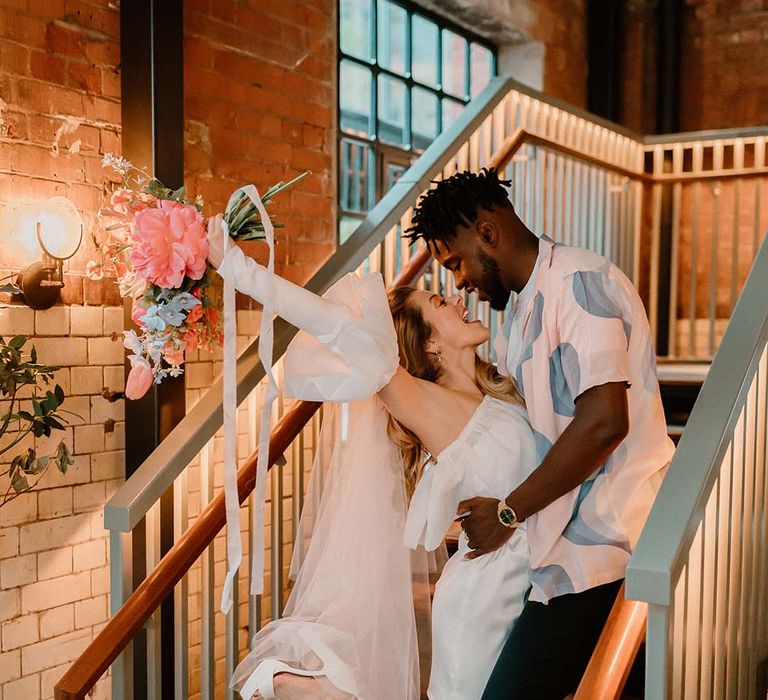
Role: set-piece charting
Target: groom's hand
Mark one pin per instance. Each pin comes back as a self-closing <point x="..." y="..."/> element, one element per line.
<point x="482" y="527"/>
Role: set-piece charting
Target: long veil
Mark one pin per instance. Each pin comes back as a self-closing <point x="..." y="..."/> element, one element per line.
<point x="351" y="614"/>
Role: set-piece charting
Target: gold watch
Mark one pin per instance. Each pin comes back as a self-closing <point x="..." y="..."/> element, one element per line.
<point x="507" y="515"/>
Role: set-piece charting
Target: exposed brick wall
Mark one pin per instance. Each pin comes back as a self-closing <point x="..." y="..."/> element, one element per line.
<point x="260" y="107"/>
<point x="724" y="68"/>
<point x="59" y="112"/>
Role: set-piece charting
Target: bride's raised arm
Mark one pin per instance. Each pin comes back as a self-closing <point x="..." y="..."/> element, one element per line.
<point x="353" y="322"/>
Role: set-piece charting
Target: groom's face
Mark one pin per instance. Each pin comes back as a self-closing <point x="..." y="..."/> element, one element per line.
<point x="473" y="266"/>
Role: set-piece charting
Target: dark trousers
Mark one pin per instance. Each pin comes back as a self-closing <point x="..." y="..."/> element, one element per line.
<point x="550" y="645"/>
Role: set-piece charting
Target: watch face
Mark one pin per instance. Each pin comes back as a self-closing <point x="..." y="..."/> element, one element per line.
<point x="507" y="516"/>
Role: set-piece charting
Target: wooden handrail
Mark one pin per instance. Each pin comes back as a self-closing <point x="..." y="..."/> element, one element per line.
<point x="120" y="630"/>
<point x="615" y="652"/>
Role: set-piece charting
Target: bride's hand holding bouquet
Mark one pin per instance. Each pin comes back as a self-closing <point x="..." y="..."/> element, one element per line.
<point x="156" y="245"/>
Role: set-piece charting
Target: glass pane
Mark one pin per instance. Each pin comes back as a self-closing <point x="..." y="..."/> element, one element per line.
<point x="391" y="110"/>
<point x="454" y="64"/>
<point x="451" y="110"/>
<point x="347" y="226"/>
<point x="480" y="62"/>
<point x="355" y="98"/>
<point x="392" y="175"/>
<point x="424" y="50"/>
<point x="424" y="117"/>
<point x="392" y="36"/>
<point x="355" y="18"/>
<point x="356" y="181"/>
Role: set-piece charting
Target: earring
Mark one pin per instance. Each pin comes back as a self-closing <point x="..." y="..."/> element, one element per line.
<point x="437" y="351"/>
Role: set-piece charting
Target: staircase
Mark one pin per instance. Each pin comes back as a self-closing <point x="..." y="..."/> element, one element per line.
<point x="646" y="204"/>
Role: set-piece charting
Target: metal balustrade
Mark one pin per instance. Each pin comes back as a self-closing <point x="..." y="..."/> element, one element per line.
<point x="702" y="561"/>
<point x="581" y="180"/>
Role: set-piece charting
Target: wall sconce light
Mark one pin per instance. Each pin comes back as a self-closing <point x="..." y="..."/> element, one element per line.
<point x="59" y="234"/>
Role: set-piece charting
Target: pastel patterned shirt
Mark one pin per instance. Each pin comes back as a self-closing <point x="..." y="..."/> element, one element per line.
<point x="583" y="326"/>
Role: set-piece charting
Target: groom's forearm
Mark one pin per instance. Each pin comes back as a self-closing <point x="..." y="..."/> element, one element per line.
<point x="600" y="423"/>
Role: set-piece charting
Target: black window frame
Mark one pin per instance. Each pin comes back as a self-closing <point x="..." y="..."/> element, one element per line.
<point x="382" y="152"/>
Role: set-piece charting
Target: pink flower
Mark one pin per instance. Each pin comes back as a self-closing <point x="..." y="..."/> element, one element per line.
<point x="169" y="242"/>
<point x="137" y="311"/>
<point x="140" y="378"/>
<point x="195" y="314"/>
<point x="129" y="202"/>
<point x="175" y="357"/>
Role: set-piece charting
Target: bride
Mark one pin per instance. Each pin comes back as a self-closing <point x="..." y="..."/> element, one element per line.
<point x="408" y="365"/>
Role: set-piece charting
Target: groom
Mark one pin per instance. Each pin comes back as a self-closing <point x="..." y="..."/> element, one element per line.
<point x="577" y="343"/>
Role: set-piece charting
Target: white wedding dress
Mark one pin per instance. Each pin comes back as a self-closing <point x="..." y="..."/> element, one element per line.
<point x="350" y="621"/>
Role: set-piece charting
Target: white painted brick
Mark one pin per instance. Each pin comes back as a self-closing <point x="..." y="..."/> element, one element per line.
<point x="90" y="555"/>
<point x="114" y="378"/>
<point x="81" y="407"/>
<point x="27" y="687"/>
<point x="198" y="374"/>
<point x="20" y="632"/>
<point x="53" y="652"/>
<point x="57" y="621"/>
<point x="86" y="320"/>
<point x="115" y="440"/>
<point x="48" y="445"/>
<point x="53" y="321"/>
<point x="108" y="465"/>
<point x="62" y="351"/>
<point x="10" y="667"/>
<point x="53" y="503"/>
<point x="112" y="486"/>
<point x="113" y="320"/>
<point x="63" y="377"/>
<point x="100" y="581"/>
<point x="54" y="563"/>
<point x="16" y="320"/>
<point x="49" y="678"/>
<point x="89" y="439"/>
<point x="105" y="351"/>
<point x="55" y="592"/>
<point x="91" y="612"/>
<point x="102" y="410"/>
<point x="89" y="497"/>
<point x="22" y="509"/>
<point x="87" y="380"/>
<point x="48" y="534"/>
<point x="77" y="473"/>
<point x="98" y="531"/>
<point x="18" y="571"/>
<point x="10" y="604"/>
<point x="9" y="542"/>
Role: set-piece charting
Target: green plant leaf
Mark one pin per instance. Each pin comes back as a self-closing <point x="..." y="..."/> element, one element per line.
<point x="59" y="392"/>
<point x="19" y="482"/>
<point x="63" y="457"/>
<point x="17" y="342"/>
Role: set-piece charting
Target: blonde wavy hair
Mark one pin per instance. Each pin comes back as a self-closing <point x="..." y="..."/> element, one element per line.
<point x="413" y="332"/>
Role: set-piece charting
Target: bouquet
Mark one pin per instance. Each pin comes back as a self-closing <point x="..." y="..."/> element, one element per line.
<point x="155" y="246"/>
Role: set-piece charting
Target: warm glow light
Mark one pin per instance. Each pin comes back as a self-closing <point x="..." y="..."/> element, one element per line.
<point x="60" y="227"/>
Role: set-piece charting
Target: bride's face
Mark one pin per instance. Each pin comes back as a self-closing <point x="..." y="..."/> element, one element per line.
<point x="449" y="319"/>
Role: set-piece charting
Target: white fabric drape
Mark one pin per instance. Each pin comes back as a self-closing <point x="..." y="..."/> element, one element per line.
<point x="350" y="619"/>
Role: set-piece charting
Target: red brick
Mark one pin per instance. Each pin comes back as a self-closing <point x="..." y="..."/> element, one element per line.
<point x="100" y="19"/>
<point x="14" y="58"/>
<point x="64" y="40"/>
<point x="23" y="29"/>
<point x="197" y="52"/>
<point x="47" y="9"/>
<point x="100" y="109"/>
<point x="45" y="66"/>
<point x="84" y="77"/>
<point x="103" y="52"/>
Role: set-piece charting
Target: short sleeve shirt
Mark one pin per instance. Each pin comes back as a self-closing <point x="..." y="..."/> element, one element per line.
<point x="583" y="326"/>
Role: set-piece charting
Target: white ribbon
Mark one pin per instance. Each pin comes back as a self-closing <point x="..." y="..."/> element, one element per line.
<point x="266" y="338"/>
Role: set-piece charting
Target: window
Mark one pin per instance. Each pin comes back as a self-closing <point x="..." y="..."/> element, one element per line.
<point x="404" y="76"/>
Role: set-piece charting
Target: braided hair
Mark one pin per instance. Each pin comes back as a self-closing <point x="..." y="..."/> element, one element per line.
<point x="455" y="202"/>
